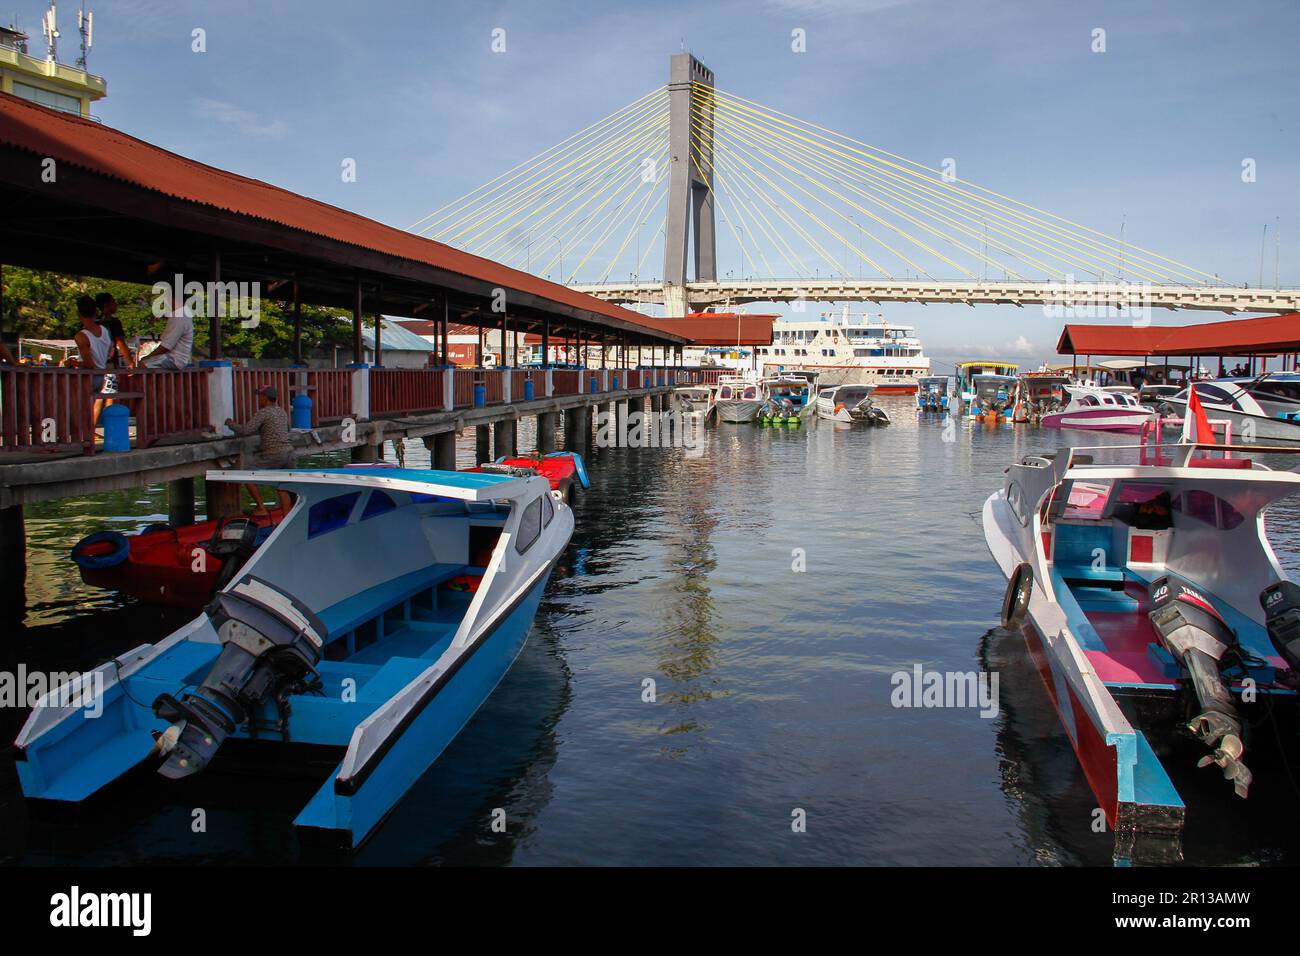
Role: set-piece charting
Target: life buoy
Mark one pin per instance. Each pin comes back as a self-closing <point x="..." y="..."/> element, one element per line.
<point x="1015" y="603"/>
<point x="103" y="549"/>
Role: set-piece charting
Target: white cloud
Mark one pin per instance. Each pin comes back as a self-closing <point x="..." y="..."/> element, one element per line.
<point x="245" y="122"/>
<point x="1021" y="347"/>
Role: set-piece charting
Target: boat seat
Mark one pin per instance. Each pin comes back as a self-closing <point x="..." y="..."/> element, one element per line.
<point x="350" y="613"/>
<point x="1094" y="576"/>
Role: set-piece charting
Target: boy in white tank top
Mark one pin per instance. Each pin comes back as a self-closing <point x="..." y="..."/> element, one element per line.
<point x="95" y="343"/>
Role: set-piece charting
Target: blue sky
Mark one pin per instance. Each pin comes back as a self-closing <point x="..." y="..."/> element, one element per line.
<point x="1152" y="132"/>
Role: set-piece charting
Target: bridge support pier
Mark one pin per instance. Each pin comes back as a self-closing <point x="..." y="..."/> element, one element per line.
<point x="365" y="454"/>
<point x="482" y="444"/>
<point x="546" y="432"/>
<point x="573" y="430"/>
<point x="442" y="450"/>
<point x="504" y="436"/>
<point x="180" y="502"/>
<point x="13" y="563"/>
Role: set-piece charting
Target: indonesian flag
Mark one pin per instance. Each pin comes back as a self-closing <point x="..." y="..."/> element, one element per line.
<point x="1196" y="424"/>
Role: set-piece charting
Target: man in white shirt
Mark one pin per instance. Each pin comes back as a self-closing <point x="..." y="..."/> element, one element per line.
<point x="177" y="340"/>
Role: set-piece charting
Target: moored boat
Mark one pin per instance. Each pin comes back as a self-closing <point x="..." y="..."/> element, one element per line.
<point x="382" y="611"/>
<point x="1258" y="410"/>
<point x="932" y="393"/>
<point x="695" y="402"/>
<point x="1142" y="580"/>
<point x="180" y="566"/>
<point x="565" y="470"/>
<point x="965" y="386"/>
<point x="739" y="398"/>
<point x="1100" y="409"/>
<point x="850" y="405"/>
<point x="847" y="349"/>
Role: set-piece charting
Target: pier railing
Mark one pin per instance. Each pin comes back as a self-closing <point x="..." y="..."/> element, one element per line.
<point x="51" y="409"/>
<point x="405" y="390"/>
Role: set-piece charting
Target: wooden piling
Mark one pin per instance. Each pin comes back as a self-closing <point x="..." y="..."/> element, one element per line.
<point x="180" y="502"/>
<point x="13" y="563"/>
<point x="482" y="444"/>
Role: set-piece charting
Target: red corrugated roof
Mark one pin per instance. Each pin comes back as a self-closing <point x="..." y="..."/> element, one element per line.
<point x="109" y="152"/>
<point x="719" y="328"/>
<point x="1269" y="334"/>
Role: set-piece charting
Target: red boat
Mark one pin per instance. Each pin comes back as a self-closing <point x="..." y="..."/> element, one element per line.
<point x="563" y="469"/>
<point x="176" y="567"/>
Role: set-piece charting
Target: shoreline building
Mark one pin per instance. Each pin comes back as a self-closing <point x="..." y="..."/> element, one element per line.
<point x="44" y="80"/>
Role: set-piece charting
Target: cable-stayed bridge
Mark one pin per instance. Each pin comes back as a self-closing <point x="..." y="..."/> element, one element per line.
<point x="805" y="213"/>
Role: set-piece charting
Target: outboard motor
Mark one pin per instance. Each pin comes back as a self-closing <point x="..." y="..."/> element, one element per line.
<point x="1281" y="603"/>
<point x="270" y="645"/>
<point x="1199" y="639"/>
<point x="234" y="543"/>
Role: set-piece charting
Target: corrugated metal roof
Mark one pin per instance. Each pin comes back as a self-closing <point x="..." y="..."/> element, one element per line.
<point x="1265" y="334"/>
<point x="109" y="152"/>
<point x="395" y="338"/>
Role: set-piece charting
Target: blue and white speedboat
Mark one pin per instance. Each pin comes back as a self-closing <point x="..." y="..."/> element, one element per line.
<point x="377" y="617"/>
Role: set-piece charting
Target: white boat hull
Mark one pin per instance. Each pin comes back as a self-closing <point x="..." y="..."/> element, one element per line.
<point x="737" y="411"/>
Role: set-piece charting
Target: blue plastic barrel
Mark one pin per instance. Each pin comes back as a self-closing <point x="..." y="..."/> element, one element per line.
<point x="480" y="395"/>
<point x="302" y="411"/>
<point x="117" y="429"/>
<point x="528" y="390"/>
<point x="615" y="388"/>
<point x="593" y="385"/>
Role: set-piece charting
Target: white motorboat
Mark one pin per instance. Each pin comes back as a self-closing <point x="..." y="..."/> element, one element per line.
<point x="851" y="405"/>
<point x="695" y="402"/>
<point x="1265" y="410"/>
<point x="1101" y="409"/>
<point x="739" y="398"/>
<point x="1142" y="574"/>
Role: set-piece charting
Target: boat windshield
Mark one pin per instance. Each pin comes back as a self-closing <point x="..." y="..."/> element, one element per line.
<point x="851" y="394"/>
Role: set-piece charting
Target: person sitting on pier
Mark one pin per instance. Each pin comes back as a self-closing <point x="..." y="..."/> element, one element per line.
<point x="272" y="423"/>
<point x="173" y="351"/>
<point x="95" y="342"/>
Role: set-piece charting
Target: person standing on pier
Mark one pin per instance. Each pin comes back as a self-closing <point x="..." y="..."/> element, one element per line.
<point x="272" y="423"/>
<point x="95" y="343"/>
<point x="121" y="355"/>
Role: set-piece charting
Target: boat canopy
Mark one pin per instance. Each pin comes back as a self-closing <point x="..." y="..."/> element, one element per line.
<point x="464" y="486"/>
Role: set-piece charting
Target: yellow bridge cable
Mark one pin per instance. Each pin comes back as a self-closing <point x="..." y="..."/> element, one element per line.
<point x="814" y="160"/>
<point x="741" y="193"/>
<point x="818" y="162"/>
<point x="561" y="177"/>
<point x="628" y="168"/>
<point x="600" y="165"/>
<point x="1131" y="253"/>
<point x="770" y="158"/>
<point x="518" y="170"/>
<point x="717" y="202"/>
<point x="519" y="178"/>
<point x="610" y="177"/>
<point x="619" y="214"/>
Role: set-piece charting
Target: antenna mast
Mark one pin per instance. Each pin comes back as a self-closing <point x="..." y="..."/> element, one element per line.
<point x="86" y="27"/>
<point x="50" y="27"/>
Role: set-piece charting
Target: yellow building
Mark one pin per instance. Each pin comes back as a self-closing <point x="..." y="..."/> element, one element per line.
<point x="43" y="80"/>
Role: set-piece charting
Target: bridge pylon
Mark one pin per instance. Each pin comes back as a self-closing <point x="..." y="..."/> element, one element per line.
<point x="690" y="181"/>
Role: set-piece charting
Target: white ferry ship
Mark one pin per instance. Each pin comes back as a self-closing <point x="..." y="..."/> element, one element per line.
<point x="847" y="349"/>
